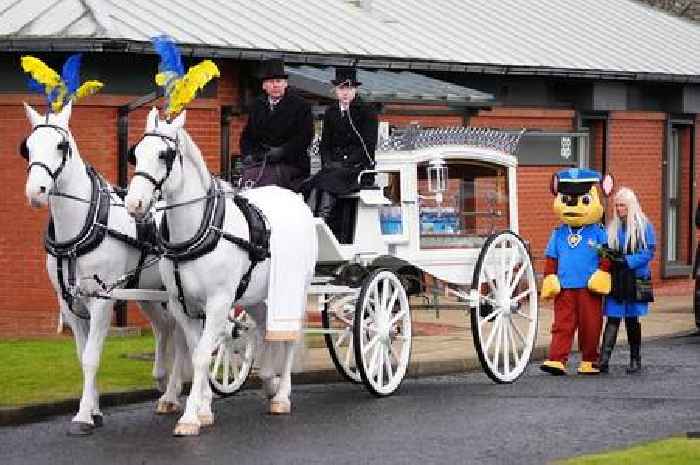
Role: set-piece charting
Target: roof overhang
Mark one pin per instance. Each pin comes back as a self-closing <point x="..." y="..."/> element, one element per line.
<point x="90" y="44"/>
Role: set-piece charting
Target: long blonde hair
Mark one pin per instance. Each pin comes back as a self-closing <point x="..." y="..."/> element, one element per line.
<point x="635" y="224"/>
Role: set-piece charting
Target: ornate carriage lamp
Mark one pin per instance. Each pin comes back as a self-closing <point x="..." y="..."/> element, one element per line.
<point x="437" y="178"/>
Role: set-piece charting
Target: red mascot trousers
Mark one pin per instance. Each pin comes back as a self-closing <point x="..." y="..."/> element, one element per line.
<point x="576" y="308"/>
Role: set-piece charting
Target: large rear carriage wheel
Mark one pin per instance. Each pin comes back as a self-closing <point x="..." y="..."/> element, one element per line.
<point x="337" y="316"/>
<point x="504" y="321"/>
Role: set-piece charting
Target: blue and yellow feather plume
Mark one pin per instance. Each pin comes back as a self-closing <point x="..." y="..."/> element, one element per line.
<point x="180" y="88"/>
<point x="58" y="89"/>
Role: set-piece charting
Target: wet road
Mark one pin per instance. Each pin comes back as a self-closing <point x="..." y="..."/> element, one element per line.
<point x="448" y="419"/>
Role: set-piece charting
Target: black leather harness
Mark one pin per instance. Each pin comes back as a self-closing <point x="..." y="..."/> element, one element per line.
<point x="91" y="236"/>
<point x="210" y="232"/>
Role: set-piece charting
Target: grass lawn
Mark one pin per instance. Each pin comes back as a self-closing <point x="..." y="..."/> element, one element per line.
<point x="673" y="451"/>
<point x="42" y="370"/>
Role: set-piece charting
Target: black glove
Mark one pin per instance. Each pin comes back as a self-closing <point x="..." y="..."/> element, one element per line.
<point x="274" y="154"/>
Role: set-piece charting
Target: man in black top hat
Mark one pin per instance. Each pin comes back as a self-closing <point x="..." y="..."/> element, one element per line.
<point x="275" y="140"/>
<point x="347" y="144"/>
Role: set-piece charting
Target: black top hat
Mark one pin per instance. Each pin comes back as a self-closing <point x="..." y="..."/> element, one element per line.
<point x="346" y="76"/>
<point x="273" y="69"/>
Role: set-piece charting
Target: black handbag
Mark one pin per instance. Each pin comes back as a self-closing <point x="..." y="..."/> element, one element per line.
<point x="643" y="291"/>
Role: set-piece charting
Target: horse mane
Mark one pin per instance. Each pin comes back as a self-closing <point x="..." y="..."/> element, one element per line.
<point x="192" y="152"/>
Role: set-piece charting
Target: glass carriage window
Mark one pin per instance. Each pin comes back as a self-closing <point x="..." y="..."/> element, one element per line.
<point x="390" y="217"/>
<point x="474" y="206"/>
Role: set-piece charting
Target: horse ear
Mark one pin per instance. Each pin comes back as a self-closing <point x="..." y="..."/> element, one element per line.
<point x="179" y="122"/>
<point x="152" y="120"/>
<point x="32" y="115"/>
<point x="64" y="116"/>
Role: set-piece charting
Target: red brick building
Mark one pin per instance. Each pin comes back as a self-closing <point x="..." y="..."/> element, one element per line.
<point x="637" y="121"/>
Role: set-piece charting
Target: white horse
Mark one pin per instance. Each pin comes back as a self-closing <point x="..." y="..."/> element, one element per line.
<point x="78" y="199"/>
<point x="169" y="163"/>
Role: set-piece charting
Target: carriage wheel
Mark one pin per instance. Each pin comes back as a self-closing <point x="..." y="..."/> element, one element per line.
<point x="232" y="358"/>
<point x="340" y="345"/>
<point x="504" y="322"/>
<point x="382" y="330"/>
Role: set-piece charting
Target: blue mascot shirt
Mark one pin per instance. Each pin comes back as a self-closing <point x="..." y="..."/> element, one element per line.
<point x="578" y="259"/>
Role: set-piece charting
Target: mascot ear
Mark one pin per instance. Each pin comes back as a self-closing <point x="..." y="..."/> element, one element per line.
<point x="608" y="184"/>
<point x="554" y="184"/>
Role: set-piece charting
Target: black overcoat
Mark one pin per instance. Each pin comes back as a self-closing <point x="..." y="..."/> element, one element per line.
<point x="289" y="126"/>
<point x="341" y="149"/>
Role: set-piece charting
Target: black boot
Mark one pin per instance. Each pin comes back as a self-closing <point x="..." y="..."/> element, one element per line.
<point x="634" y="337"/>
<point x="325" y="205"/>
<point x="609" y="339"/>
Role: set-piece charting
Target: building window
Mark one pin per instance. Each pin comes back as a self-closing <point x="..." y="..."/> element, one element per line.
<point x="676" y="249"/>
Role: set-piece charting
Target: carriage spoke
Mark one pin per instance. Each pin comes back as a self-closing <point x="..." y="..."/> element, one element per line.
<point x="392" y="300"/>
<point x="522" y="315"/>
<point x="517" y="332"/>
<point x="518" y="276"/>
<point x="371" y="344"/>
<point x="496" y="325"/>
<point x="488" y="317"/>
<point x="380" y="367"/>
<point x="234" y="368"/>
<point x="506" y="349"/>
<point x="514" y="347"/>
<point x="489" y="279"/>
<point x="521" y="296"/>
<point x="217" y="361"/>
<point x="348" y="353"/>
<point x="227" y="363"/>
<point x="497" y="349"/>
<point x="387" y="362"/>
<point x="342" y="337"/>
<point x="397" y="317"/>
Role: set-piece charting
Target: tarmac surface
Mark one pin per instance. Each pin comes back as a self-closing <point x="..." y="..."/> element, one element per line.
<point x="442" y="344"/>
<point x="449" y="419"/>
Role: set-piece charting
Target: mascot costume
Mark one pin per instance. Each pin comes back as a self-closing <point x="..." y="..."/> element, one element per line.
<point x="574" y="274"/>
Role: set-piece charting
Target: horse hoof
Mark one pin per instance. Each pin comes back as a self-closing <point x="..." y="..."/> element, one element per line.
<point x="167" y="408"/>
<point x="186" y="429"/>
<point x="97" y="421"/>
<point x="80" y="428"/>
<point x="206" y="420"/>
<point x="280" y="408"/>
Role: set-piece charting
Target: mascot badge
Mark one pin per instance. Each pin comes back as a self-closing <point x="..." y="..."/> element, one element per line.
<point x="574" y="274"/>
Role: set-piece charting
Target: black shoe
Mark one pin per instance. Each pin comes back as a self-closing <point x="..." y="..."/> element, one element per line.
<point x="635" y="366"/>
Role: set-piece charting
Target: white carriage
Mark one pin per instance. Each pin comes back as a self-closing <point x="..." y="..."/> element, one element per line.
<point x="443" y="206"/>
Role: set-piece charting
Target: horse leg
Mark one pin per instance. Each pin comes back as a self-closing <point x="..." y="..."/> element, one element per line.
<point x="162" y="332"/>
<point x="280" y="403"/>
<point x="268" y="370"/>
<point x="189" y="424"/>
<point x="168" y="402"/>
<point x="89" y="410"/>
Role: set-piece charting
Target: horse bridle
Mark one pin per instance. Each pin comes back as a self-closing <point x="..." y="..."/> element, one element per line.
<point x="64" y="147"/>
<point x="168" y="156"/>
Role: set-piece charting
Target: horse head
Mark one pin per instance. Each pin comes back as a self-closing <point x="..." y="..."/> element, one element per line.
<point x="158" y="162"/>
<point x="48" y="149"/>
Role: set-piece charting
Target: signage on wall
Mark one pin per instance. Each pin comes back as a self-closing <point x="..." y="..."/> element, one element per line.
<point x="551" y="148"/>
<point x="565" y="151"/>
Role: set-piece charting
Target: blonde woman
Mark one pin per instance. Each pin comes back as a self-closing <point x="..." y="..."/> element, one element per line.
<point x="631" y="235"/>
